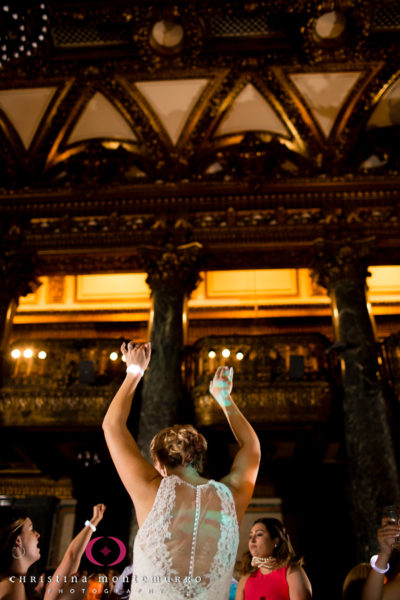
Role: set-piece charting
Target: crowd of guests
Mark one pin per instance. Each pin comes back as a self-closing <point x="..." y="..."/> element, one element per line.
<point x="187" y="524"/>
<point x="268" y="569"/>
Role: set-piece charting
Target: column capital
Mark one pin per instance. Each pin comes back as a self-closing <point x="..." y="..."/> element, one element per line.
<point x="336" y="260"/>
<point x="172" y="266"/>
<point x="18" y="272"/>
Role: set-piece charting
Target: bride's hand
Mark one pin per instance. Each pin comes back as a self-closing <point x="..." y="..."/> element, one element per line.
<point x="137" y="354"/>
<point x="221" y="385"/>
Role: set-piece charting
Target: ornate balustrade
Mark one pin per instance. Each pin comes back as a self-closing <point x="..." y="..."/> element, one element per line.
<point x="59" y="382"/>
<point x="279" y="379"/>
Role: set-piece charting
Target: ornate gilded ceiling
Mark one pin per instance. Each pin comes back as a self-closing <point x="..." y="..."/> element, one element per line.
<point x="250" y="126"/>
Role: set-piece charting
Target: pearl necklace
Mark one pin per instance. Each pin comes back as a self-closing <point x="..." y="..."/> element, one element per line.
<point x="268" y="562"/>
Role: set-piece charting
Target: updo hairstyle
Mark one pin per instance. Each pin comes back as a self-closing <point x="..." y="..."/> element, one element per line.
<point x="179" y="445"/>
<point x="11" y="523"/>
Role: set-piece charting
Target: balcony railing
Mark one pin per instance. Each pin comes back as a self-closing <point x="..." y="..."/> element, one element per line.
<point x="278" y="379"/>
<point x="59" y="382"/>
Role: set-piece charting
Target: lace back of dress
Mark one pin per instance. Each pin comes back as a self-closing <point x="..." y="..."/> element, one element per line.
<point x="195" y="531"/>
<point x="195" y="537"/>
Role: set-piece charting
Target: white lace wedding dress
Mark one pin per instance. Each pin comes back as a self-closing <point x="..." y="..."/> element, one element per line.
<point x="186" y="547"/>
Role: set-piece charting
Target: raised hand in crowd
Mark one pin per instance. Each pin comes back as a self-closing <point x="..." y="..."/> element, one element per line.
<point x="374" y="588"/>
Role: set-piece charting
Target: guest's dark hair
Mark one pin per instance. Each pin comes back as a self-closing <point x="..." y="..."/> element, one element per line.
<point x="11" y="523"/>
<point x="179" y="445"/>
<point x="283" y="552"/>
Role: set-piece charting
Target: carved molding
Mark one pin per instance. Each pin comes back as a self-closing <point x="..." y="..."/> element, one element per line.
<point x="82" y="263"/>
<point x="268" y="227"/>
<point x="251" y="219"/>
<point x="362" y="192"/>
<point x="279" y="236"/>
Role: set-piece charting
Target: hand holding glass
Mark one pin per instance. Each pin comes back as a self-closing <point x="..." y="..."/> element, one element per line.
<point x="392" y="512"/>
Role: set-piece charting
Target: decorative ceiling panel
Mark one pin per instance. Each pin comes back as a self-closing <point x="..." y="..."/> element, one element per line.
<point x="265" y="125"/>
<point x="101" y="119"/>
<point x="25" y="109"/>
<point x="250" y="111"/>
<point x="173" y="101"/>
<point x="325" y="93"/>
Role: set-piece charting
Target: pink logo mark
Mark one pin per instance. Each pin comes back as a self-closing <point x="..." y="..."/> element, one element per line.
<point x="106" y="551"/>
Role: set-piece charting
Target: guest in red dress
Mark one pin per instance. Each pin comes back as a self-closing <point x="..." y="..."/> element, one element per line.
<point x="270" y="568"/>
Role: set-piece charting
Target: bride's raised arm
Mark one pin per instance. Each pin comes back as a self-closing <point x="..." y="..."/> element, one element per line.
<point x="243" y="474"/>
<point x="138" y="475"/>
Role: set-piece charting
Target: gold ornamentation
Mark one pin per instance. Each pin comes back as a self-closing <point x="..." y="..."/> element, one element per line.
<point x="342" y="259"/>
<point x="173" y="266"/>
<point x="312" y="186"/>
<point x="19" y="487"/>
<point x="55" y="289"/>
<point x="39" y="407"/>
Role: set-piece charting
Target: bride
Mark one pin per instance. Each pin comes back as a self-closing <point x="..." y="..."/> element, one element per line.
<point x="188" y="525"/>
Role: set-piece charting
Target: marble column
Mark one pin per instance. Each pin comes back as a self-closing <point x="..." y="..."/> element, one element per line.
<point x="173" y="273"/>
<point x="341" y="267"/>
<point x="17" y="278"/>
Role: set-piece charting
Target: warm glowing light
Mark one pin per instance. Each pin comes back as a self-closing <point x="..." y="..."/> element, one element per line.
<point x="42" y="355"/>
<point x="111" y="145"/>
<point x="226" y="352"/>
<point x="239" y="355"/>
<point x="28" y="353"/>
<point x="113" y="355"/>
<point x="16" y="353"/>
<point x="212" y="354"/>
<point x="123" y="358"/>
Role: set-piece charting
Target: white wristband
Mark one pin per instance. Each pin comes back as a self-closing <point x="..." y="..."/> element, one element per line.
<point x="135" y="370"/>
<point x="377" y="569"/>
<point x="89" y="524"/>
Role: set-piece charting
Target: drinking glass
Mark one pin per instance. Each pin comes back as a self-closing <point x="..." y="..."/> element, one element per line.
<point x="392" y="512"/>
